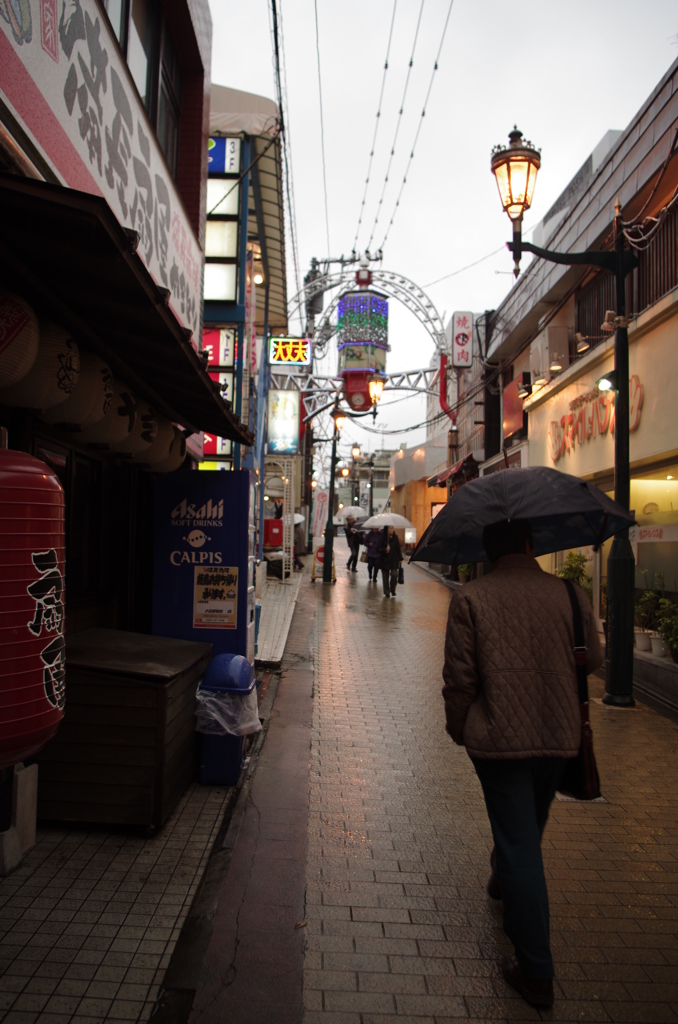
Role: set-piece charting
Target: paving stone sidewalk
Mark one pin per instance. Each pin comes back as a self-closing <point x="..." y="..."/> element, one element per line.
<point x="399" y="925"/>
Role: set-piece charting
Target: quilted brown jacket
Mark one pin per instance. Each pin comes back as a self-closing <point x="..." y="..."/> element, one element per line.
<point x="510" y="679"/>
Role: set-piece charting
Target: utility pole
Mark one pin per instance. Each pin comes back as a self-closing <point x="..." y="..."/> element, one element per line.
<point x="329" y="529"/>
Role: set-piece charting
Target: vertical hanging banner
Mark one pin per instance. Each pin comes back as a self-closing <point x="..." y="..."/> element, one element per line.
<point x="283" y="422"/>
<point x="462" y="339"/>
<point x="319" y="520"/>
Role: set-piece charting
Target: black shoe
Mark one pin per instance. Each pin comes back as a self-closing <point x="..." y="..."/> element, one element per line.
<point x="537" y="992"/>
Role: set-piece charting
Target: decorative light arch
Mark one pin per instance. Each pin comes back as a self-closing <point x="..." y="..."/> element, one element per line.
<point x="396" y="286"/>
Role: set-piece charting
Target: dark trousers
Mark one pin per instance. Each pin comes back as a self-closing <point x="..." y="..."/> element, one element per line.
<point x="373" y="567"/>
<point x="518" y="794"/>
<point x="389" y="576"/>
<point x="353" y="557"/>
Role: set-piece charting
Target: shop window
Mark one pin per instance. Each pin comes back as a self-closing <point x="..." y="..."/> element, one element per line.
<point x="169" y="102"/>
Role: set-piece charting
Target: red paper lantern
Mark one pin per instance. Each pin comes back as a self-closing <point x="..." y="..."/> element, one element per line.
<point x="32" y="665"/>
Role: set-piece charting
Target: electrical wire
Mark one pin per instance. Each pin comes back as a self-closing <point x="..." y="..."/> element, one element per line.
<point x="398" y="123"/>
<point x="284" y="134"/>
<point x="322" y="127"/>
<point x="421" y="121"/>
<point x="467" y="267"/>
<point x="376" y="127"/>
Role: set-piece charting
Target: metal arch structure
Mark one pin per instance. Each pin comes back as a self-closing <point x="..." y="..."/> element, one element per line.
<point x="317" y="389"/>
<point x="396" y="286"/>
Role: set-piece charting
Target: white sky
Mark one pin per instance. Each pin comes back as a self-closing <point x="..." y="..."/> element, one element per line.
<point x="565" y="73"/>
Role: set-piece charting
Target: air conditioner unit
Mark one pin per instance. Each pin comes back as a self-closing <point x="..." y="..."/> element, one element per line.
<point x="549" y="354"/>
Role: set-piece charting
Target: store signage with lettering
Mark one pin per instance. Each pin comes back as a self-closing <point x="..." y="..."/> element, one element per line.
<point x="462" y="339"/>
<point x="591" y="416"/>
<point x="289" y="351"/>
<point x="69" y="88"/>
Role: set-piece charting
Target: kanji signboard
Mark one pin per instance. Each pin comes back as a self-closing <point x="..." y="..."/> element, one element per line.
<point x="462" y="339"/>
<point x="289" y="351"/>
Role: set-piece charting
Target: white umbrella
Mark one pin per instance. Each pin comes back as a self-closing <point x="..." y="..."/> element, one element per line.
<point x="351" y="512"/>
<point x="386" y="519"/>
<point x="298" y="518"/>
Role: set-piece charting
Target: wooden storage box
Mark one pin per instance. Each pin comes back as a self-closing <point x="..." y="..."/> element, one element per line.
<point x="127" y="747"/>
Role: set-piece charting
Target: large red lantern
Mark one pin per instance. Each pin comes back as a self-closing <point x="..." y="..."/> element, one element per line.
<point x="32" y="664"/>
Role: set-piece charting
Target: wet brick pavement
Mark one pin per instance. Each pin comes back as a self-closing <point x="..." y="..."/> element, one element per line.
<point x="399" y="927"/>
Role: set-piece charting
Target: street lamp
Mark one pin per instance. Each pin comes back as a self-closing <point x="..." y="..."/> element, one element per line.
<point x="355" y="450"/>
<point x="515" y="168"/>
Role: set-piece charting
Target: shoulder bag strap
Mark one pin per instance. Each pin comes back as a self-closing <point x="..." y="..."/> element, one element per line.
<point x="579" y="643"/>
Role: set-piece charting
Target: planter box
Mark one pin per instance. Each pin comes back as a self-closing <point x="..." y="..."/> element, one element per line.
<point x="656" y="677"/>
<point x="127" y="746"/>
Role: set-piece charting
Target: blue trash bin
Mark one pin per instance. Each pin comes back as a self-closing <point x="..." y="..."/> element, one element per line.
<point x="221" y="756"/>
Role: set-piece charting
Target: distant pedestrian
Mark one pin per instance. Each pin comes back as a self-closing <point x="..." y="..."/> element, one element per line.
<point x="390" y="557"/>
<point x="299" y="545"/>
<point x="372" y="541"/>
<point x="353" y="539"/>
<point x="511" y="699"/>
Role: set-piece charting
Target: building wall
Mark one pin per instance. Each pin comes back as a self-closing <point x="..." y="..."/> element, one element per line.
<point x="414" y="500"/>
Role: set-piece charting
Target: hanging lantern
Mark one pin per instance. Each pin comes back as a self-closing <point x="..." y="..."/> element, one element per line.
<point x="52" y="377"/>
<point x="362" y="333"/>
<point x="160" y="449"/>
<point x="117" y="424"/>
<point x="142" y="435"/>
<point x="32" y="681"/>
<point x="19" y="337"/>
<point x="176" y="456"/>
<point x="90" y="400"/>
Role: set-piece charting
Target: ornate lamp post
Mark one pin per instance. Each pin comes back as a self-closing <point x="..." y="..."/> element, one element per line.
<point x="515" y="168"/>
<point x="338" y="418"/>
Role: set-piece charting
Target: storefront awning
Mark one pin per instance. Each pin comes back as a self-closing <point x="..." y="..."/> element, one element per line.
<point x="468" y="466"/>
<point x="66" y="254"/>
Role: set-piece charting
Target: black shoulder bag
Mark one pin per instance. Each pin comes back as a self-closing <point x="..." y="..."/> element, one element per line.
<point x="580" y="778"/>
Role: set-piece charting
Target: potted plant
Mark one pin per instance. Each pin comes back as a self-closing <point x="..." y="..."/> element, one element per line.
<point x="668" y="627"/>
<point x="574" y="569"/>
<point x="645" y="617"/>
<point x="464" y="572"/>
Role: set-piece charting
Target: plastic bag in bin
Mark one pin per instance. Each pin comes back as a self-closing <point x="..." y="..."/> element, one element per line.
<point x="226" y="701"/>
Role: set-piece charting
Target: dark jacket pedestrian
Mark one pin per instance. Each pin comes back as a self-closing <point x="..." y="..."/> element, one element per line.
<point x="511" y="699"/>
<point x="353" y="539"/>
<point x="372" y="542"/>
<point x="390" y="557"/>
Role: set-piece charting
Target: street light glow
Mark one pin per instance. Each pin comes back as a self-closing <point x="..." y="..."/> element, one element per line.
<point x="515" y="167"/>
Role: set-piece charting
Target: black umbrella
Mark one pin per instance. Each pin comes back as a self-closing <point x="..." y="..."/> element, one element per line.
<point x="564" y="512"/>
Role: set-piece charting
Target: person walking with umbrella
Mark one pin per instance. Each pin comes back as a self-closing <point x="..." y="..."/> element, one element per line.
<point x="390" y="557"/>
<point x="511" y="699"/>
<point x="518" y="645"/>
<point x="353" y="540"/>
<point x="372" y="542"/>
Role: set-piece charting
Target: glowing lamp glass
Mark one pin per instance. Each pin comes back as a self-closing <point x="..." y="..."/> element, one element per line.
<point x="344" y="472"/>
<point x="376" y="386"/>
<point x="339" y="421"/>
<point x="355" y="451"/>
<point x="515" y="169"/>
<point x="314" y="483"/>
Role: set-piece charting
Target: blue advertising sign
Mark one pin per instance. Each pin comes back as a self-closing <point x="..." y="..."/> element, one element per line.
<point x="223" y="155"/>
<point x="202" y="572"/>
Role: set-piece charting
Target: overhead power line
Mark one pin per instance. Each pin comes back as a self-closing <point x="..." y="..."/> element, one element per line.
<point x="376" y="127"/>
<point x="398" y="123"/>
<point x="322" y="127"/>
<point x="421" y="121"/>
<point x="278" y="48"/>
